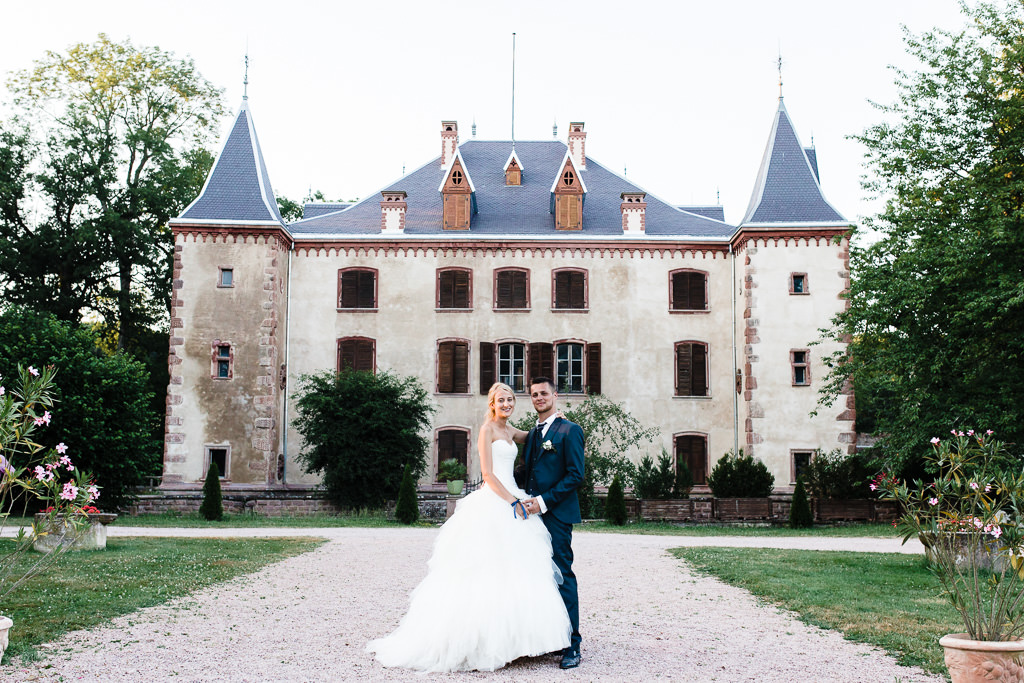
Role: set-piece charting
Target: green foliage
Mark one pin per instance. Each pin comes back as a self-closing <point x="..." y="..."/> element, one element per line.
<point x="407" y="510"/>
<point x="740" y="476"/>
<point x="212" y="507"/>
<point x="936" y="305"/>
<point x="451" y="470"/>
<point x="683" y="481"/>
<point x="654" y="481"/>
<point x="111" y="143"/>
<point x="800" y="511"/>
<point x="360" y="430"/>
<point x="102" y="402"/>
<point x="615" y="506"/>
<point x="836" y="475"/>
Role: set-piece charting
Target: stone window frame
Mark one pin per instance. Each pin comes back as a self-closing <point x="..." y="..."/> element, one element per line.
<point x="500" y="309"/>
<point x="220" y="277"/>
<point x="437" y="289"/>
<point x="707" y="453"/>
<point x="437" y="446"/>
<point x="208" y="458"/>
<point x="707" y="369"/>
<point x="216" y="359"/>
<point x="376" y="285"/>
<point x="671" y="292"/>
<point x="793" y="453"/>
<point x="805" y="365"/>
<point x="586" y="290"/>
<point x="805" y="287"/>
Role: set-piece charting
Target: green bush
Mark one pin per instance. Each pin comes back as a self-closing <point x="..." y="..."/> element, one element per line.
<point x="615" y="506"/>
<point x="837" y="475"/>
<point x="407" y="510"/>
<point x="740" y="476"/>
<point x="800" y="511"/>
<point x="654" y="481"/>
<point x="104" y="408"/>
<point x="212" y="507"/>
<point x="360" y="431"/>
<point x="683" y="481"/>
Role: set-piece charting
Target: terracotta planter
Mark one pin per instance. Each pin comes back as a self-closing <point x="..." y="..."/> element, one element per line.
<point x="983" y="660"/>
<point x="52" y="532"/>
<point x="5" y="635"/>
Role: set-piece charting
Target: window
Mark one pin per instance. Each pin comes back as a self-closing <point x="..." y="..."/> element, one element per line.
<point x="569" y="368"/>
<point x="800" y="461"/>
<point x="453" y="367"/>
<point x="693" y="450"/>
<point x="226" y="278"/>
<point x="688" y="290"/>
<point x="798" y="283"/>
<point x="512" y="288"/>
<point x="575" y="366"/>
<point x="569" y="289"/>
<point x="512" y="365"/>
<point x="357" y="288"/>
<point x="223" y="358"/>
<point x="218" y="455"/>
<point x="453" y="442"/>
<point x="357" y="353"/>
<point x="454" y="288"/>
<point x="799" y="359"/>
<point x="691" y="369"/>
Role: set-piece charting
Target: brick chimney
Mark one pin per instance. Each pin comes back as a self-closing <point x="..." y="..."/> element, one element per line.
<point x="449" y="141"/>
<point x="577" y="145"/>
<point x="634" y="212"/>
<point x="392" y="212"/>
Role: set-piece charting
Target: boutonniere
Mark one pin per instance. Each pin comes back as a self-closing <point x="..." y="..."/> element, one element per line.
<point x="548" y="446"/>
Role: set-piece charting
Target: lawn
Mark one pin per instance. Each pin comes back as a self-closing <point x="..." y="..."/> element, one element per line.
<point x="887" y="600"/>
<point x="668" y="529"/>
<point x="87" y="588"/>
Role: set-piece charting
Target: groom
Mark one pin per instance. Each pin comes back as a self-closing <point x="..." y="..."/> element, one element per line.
<point x="554" y="470"/>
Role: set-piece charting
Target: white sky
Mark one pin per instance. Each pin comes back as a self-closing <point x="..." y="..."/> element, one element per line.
<point x="682" y="93"/>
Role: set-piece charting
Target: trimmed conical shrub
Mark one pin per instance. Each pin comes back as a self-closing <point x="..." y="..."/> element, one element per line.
<point x="213" y="504"/>
<point x="615" y="508"/>
<point x="407" y="509"/>
<point x="800" y="511"/>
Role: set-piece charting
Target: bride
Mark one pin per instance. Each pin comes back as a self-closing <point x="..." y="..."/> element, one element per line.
<point x="490" y="595"/>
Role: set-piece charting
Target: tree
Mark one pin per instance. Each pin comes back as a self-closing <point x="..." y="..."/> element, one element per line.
<point x="800" y="509"/>
<point x="615" y="508"/>
<point x="123" y="150"/>
<point x="683" y="481"/>
<point x="360" y="431"/>
<point x="212" y="507"/>
<point x="407" y="509"/>
<point x="103" y="401"/>
<point x="936" y="305"/>
<point x="737" y="475"/>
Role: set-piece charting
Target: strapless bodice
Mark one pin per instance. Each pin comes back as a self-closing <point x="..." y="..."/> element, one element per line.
<point x="503" y="460"/>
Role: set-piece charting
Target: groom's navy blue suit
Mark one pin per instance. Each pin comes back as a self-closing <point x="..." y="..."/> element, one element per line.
<point x="554" y="474"/>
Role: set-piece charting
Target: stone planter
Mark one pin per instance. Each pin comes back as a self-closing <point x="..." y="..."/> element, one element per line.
<point x="52" y="532"/>
<point x="735" y="509"/>
<point x="971" y="661"/>
<point x="5" y="635"/>
<point x="451" y="502"/>
<point x="988" y="554"/>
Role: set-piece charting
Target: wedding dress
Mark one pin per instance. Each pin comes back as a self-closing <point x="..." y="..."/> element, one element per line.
<point x="490" y="595"/>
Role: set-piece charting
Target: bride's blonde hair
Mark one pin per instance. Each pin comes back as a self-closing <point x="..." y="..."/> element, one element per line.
<point x="492" y="394"/>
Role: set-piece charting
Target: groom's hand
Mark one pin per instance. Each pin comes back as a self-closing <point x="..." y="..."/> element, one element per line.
<point x="532" y="506"/>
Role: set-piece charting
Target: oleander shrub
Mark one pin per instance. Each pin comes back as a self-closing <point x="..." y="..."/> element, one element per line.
<point x="737" y="475"/>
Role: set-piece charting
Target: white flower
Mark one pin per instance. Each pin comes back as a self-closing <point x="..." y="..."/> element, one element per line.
<point x="548" y="446"/>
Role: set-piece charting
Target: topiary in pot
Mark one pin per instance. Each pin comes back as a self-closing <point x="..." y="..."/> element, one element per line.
<point x="407" y="509"/>
<point x="800" y="511"/>
<point x="212" y="507"/>
<point x="615" y="507"/>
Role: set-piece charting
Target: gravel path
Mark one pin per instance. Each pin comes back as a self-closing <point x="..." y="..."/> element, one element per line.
<point x="644" y="615"/>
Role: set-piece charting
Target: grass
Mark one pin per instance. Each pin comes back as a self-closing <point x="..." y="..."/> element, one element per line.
<point x="888" y="600"/>
<point x="669" y="529"/>
<point x="87" y="588"/>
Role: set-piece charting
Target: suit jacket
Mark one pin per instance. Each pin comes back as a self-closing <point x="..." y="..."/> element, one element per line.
<point x="554" y="474"/>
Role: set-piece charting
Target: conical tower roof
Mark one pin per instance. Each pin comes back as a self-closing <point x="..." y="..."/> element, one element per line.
<point x="238" y="189"/>
<point x="787" y="190"/>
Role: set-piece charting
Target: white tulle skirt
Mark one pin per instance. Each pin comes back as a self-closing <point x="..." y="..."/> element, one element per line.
<point x="490" y="595"/>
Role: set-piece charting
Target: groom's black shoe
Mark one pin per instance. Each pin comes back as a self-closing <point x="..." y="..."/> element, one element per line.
<point x="570" y="659"/>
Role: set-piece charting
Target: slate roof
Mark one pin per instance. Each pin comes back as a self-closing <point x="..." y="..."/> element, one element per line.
<point x="514" y="210"/>
<point x="716" y="211"/>
<point x="313" y="209"/>
<point x="787" y="190"/>
<point x="238" y="189"/>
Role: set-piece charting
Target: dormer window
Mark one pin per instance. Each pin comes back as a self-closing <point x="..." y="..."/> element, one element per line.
<point x="456" y="177"/>
<point x="567" y="192"/>
<point x="568" y="179"/>
<point x="513" y="170"/>
<point x="457" y="195"/>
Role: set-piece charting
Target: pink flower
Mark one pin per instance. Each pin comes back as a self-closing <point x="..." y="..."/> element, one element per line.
<point x="2" y="391"/>
<point x="953" y="432"/>
<point x="4" y="465"/>
<point x="873" y="487"/>
<point x="933" y="501"/>
<point x="40" y="473"/>
<point x="65" y="460"/>
<point x="61" y="448"/>
<point x="935" y="439"/>
<point x="996" y="532"/>
<point x="70" y="491"/>
<point x="989" y="432"/>
<point x="970" y="432"/>
<point x="974" y="485"/>
<point x="977" y="522"/>
<point x="959" y="433"/>
<point x="46" y="416"/>
<point x="32" y="371"/>
<point x="988" y="487"/>
<point x="94" y="492"/>
<point x="39" y="421"/>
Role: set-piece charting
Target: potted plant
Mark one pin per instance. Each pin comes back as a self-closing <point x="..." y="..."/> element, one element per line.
<point x="454" y="473"/>
<point x="29" y="472"/>
<point x="969" y="519"/>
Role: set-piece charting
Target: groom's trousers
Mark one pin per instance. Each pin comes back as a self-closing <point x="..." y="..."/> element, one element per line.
<point x="561" y="547"/>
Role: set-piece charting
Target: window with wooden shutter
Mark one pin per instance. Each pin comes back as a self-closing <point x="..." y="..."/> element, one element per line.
<point x="453" y="443"/>
<point x="569" y="289"/>
<point x="487" y="377"/>
<point x="453" y="288"/>
<point x="688" y="290"/>
<point x="453" y="367"/>
<point x="692" y="449"/>
<point x="511" y="288"/>
<point x="356" y="353"/>
<point x="512" y="365"/>
<point x="542" y="360"/>
<point x="569" y="368"/>
<point x="357" y="288"/>
<point x="691" y="369"/>
<point x="593" y="368"/>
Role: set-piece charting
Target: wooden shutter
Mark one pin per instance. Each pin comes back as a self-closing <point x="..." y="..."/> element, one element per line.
<point x="562" y="289"/>
<point x="698" y="291"/>
<point x="349" y="289"/>
<point x="680" y="291"/>
<point x="503" y="288"/>
<point x="542" y="360"/>
<point x="573" y="203"/>
<point x="363" y="355"/>
<point x="684" y="369"/>
<point x="518" y="288"/>
<point x="366" y="289"/>
<point x="460" y="288"/>
<point x="577" y="289"/>
<point x="693" y="451"/>
<point x="593" y="368"/>
<point x="446" y="289"/>
<point x="460" y="367"/>
<point x="700" y="370"/>
<point x="346" y="355"/>
<point x="487" y="373"/>
<point x="445" y="363"/>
